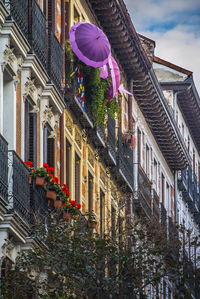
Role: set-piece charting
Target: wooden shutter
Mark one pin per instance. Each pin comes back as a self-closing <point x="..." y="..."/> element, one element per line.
<point x="77" y="178"/>
<point x="33" y="138"/>
<point x="50" y="152"/>
<point x="102" y="214"/>
<point x="90" y="192"/>
<point x="45" y="136"/>
<point x="26" y="131"/>
<point x="67" y="165"/>
<point x="113" y="222"/>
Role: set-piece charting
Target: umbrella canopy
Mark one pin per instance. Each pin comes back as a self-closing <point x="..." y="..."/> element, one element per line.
<point x="115" y="76"/>
<point x="90" y="44"/>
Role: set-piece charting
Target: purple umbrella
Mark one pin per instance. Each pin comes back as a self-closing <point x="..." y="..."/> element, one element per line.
<point x="90" y="44"/>
<point x="115" y="77"/>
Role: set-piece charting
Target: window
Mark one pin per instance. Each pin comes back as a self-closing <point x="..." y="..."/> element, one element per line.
<point x="77" y="178"/>
<point x="167" y="198"/>
<point x="48" y="146"/>
<point x="183" y="130"/>
<point x="102" y="212"/>
<point x="76" y="16"/>
<point x="155" y="174"/>
<point x="67" y="163"/>
<point x="139" y="146"/>
<point x="113" y="222"/>
<point x="90" y="192"/>
<point x="30" y="133"/>
<point x="147" y="161"/>
<point x="163" y="189"/>
<point x="193" y="160"/>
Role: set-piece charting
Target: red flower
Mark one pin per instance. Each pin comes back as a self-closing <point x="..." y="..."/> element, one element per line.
<point x="78" y="206"/>
<point x="55" y="180"/>
<point x="28" y="163"/>
<point x="33" y="170"/>
<point x="51" y="175"/>
<point x="45" y="165"/>
<point x="70" y="207"/>
<point x="50" y="169"/>
<point x="78" y="217"/>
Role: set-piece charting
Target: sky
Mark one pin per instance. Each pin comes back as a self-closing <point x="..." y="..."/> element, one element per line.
<point x="175" y="27"/>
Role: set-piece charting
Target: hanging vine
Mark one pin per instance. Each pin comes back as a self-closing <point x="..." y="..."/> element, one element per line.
<point x="96" y="89"/>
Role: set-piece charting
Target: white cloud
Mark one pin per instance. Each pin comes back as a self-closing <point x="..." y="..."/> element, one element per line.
<point x="180" y="43"/>
<point x="180" y="47"/>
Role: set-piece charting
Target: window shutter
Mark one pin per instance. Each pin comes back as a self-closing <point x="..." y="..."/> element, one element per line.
<point x="50" y="152"/>
<point x="68" y="154"/>
<point x="33" y="138"/>
<point x="77" y="178"/>
<point x="90" y="192"/>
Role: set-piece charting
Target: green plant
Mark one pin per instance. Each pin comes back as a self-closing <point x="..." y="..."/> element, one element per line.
<point x="91" y="217"/>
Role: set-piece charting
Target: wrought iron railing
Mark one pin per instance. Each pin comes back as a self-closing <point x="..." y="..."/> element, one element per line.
<point x="111" y="138"/>
<point x="19" y="12"/>
<point x="18" y="187"/>
<point x="182" y="180"/>
<point x="38" y="34"/>
<point x="156" y="210"/>
<point x="163" y="215"/>
<point x="144" y="184"/>
<point x="3" y="170"/>
<point x="125" y="161"/>
<point x="55" y="61"/>
<point x="38" y="204"/>
<point x="190" y="184"/>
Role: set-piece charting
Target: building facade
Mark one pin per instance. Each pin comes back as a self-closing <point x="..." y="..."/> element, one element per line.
<point x="42" y="121"/>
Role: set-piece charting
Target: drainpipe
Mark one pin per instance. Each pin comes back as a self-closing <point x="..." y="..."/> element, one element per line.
<point x="130" y="127"/>
<point x="176" y="195"/>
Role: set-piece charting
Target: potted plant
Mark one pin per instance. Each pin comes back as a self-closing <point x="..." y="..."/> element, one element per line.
<point x="53" y="188"/>
<point x="29" y="164"/>
<point x="92" y="220"/>
<point x="129" y="139"/>
<point x="71" y="209"/>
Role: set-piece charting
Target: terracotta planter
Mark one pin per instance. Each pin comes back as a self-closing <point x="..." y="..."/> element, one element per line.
<point x="30" y="179"/>
<point x="40" y="181"/>
<point x="58" y="204"/>
<point x="66" y="216"/>
<point x="91" y="224"/>
<point x="51" y="194"/>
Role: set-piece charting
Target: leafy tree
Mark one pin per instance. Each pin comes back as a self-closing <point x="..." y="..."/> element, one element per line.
<point x="72" y="261"/>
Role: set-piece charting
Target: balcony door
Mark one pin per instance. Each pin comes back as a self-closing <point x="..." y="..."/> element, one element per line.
<point x="30" y="133"/>
<point x="48" y="146"/>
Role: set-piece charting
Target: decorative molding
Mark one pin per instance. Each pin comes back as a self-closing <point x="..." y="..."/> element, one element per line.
<point x="9" y="57"/>
<point x="102" y="175"/>
<point x="8" y="246"/>
<point x="35" y="109"/>
<point x="47" y="115"/>
<point x="91" y="157"/>
<point x="69" y="124"/>
<point x="78" y="138"/>
<point x="29" y="88"/>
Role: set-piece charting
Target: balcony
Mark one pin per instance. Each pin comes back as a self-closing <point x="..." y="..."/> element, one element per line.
<point x="125" y="163"/>
<point x="38" y="35"/>
<point x="156" y="210"/>
<point x="55" y="60"/>
<point x="182" y="180"/>
<point x="111" y="147"/>
<point x="19" y="12"/>
<point x="3" y="171"/>
<point x="71" y="99"/>
<point x="143" y="203"/>
<point x="32" y="23"/>
<point x="163" y="215"/>
<point x="38" y="204"/>
<point x="18" y="187"/>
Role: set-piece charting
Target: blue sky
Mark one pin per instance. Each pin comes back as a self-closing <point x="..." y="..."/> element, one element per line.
<point x="175" y="27"/>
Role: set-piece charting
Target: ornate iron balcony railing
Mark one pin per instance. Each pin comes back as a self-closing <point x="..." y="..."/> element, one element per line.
<point x="3" y="170"/>
<point x="38" y="35"/>
<point x="55" y="61"/>
<point x="18" y="187"/>
<point x="38" y="204"/>
<point x="19" y="12"/>
<point x="111" y="139"/>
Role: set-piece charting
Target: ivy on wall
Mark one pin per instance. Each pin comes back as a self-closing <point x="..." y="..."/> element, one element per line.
<point x="96" y="89"/>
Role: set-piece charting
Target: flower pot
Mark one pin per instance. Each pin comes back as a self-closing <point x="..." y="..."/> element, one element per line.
<point x="30" y="179"/>
<point x="40" y="181"/>
<point x="58" y="204"/>
<point x="66" y="216"/>
<point x="51" y="194"/>
<point x="92" y="224"/>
